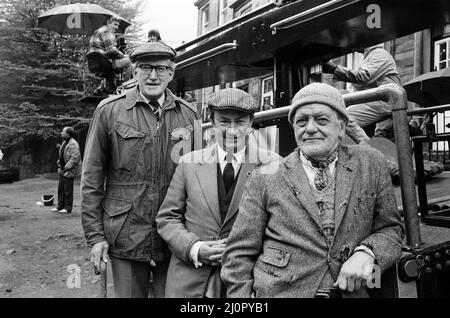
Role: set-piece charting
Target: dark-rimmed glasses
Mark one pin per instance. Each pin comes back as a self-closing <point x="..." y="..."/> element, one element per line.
<point x="160" y="69"/>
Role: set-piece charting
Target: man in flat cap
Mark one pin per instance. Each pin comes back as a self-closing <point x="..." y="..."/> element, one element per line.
<point x="203" y="198"/>
<point x="127" y="170"/>
<point x="317" y="226"/>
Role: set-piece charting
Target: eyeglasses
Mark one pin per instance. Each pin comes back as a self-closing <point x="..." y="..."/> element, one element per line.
<point x="160" y="69"/>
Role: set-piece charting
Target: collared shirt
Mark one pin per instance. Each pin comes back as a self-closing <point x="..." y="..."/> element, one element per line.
<point x="104" y="42"/>
<point x="160" y="100"/>
<point x="238" y="159"/>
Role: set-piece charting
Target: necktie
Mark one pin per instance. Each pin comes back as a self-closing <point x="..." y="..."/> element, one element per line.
<point x="228" y="173"/>
<point x="322" y="177"/>
<point x="155" y="106"/>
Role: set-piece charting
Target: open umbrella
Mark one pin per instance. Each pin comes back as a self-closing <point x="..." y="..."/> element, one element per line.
<point x="430" y="89"/>
<point x="78" y="19"/>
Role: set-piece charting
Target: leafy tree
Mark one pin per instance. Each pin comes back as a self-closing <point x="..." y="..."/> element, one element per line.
<point x="41" y="80"/>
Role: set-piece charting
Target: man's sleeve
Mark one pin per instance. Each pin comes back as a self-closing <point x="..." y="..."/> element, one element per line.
<point x="93" y="178"/>
<point x="387" y="230"/>
<point x="170" y="217"/>
<point x="366" y="73"/>
<point x="245" y="242"/>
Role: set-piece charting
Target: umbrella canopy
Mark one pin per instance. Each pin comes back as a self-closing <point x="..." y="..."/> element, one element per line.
<point x="78" y="19"/>
<point x="430" y="89"/>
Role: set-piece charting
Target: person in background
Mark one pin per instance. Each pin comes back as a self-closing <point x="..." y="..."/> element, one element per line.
<point x="153" y="35"/>
<point x="377" y="68"/>
<point x="68" y="167"/>
<point x="104" y="57"/>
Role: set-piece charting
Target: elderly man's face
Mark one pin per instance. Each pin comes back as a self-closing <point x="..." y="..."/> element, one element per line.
<point x="231" y="129"/>
<point x="153" y="76"/>
<point x="318" y="130"/>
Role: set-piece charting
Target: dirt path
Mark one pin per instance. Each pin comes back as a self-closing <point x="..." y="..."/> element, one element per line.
<point x="37" y="246"/>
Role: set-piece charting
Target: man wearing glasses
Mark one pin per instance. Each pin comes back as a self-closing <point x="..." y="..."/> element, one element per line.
<point x="127" y="170"/>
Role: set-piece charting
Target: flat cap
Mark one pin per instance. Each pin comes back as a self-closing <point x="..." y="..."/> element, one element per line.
<point x="150" y="49"/>
<point x="232" y="99"/>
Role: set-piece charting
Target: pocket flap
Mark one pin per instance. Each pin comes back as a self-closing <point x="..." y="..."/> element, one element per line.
<point x="276" y="257"/>
<point x="127" y="132"/>
<point x="114" y="207"/>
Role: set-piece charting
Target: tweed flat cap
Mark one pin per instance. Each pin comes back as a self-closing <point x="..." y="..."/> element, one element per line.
<point x="318" y="93"/>
<point x="233" y="99"/>
<point x="148" y="49"/>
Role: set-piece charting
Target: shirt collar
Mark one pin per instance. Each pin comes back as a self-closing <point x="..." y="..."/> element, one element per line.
<point x="238" y="156"/>
<point x="161" y="99"/>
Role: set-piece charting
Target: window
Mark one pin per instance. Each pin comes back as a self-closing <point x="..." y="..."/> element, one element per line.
<point x="442" y="54"/>
<point x="441" y="61"/>
<point x="267" y="93"/>
<point x="241" y="8"/>
<point x="223" y="6"/>
<point x="204" y="18"/>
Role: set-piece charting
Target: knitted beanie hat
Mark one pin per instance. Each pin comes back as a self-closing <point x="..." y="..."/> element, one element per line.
<point x="319" y="93"/>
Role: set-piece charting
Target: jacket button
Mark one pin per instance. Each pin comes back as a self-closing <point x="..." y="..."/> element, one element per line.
<point x="154" y="224"/>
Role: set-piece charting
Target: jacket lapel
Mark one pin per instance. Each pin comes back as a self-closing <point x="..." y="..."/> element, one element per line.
<point x="298" y="181"/>
<point x="207" y="178"/>
<point x="345" y="175"/>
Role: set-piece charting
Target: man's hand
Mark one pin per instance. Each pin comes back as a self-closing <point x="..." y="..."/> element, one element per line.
<point x="328" y="67"/>
<point x="99" y="254"/>
<point x="211" y="252"/>
<point x="355" y="272"/>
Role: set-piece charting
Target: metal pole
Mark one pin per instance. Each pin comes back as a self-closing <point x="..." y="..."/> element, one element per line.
<point x="396" y="96"/>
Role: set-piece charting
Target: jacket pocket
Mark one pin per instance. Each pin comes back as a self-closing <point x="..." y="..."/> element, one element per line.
<point x="116" y="212"/>
<point x="129" y="143"/>
<point x="273" y="261"/>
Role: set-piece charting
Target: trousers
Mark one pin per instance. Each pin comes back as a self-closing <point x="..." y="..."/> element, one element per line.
<point x="65" y="193"/>
<point x="362" y="115"/>
<point x="136" y="279"/>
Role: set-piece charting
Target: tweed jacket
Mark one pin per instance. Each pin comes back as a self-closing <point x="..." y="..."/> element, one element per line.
<point x="190" y="213"/>
<point x="72" y="159"/>
<point x="277" y="247"/>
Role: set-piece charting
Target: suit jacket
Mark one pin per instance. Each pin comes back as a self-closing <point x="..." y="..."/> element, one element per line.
<point x="277" y="248"/>
<point x="72" y="159"/>
<point x="190" y="213"/>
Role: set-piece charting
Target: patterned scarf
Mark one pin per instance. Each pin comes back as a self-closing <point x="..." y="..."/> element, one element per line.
<point x="322" y="178"/>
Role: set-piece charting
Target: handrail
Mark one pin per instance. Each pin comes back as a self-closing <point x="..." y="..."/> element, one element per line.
<point x="208" y="54"/>
<point x="297" y="19"/>
<point x="396" y="96"/>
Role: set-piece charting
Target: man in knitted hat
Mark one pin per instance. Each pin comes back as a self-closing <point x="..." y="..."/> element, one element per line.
<point x="317" y="226"/>
<point x="127" y="169"/>
<point x="203" y="198"/>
